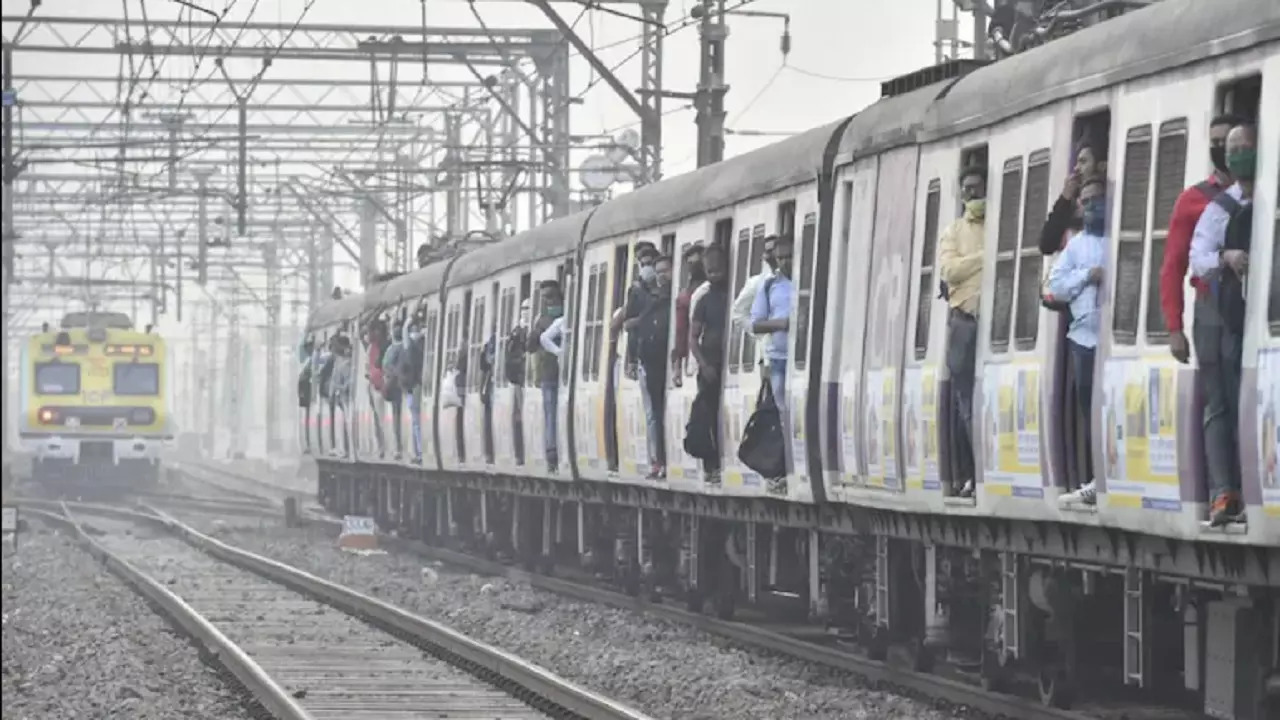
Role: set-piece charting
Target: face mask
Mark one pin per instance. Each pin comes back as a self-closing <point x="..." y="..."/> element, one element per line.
<point x="555" y="311"/>
<point x="647" y="273"/>
<point x="1243" y="163"/>
<point x="415" y="335"/>
<point x="1218" y="154"/>
<point x="1094" y="215"/>
<point x="524" y="317"/>
<point x="976" y="209"/>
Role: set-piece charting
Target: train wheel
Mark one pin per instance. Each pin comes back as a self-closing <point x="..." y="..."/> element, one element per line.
<point x="878" y="648"/>
<point x="923" y="656"/>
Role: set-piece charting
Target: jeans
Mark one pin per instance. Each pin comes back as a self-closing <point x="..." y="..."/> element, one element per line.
<point x="1219" y="352"/>
<point x="962" y="349"/>
<point x="709" y="397"/>
<point x="654" y="389"/>
<point x="375" y="409"/>
<point x="649" y="423"/>
<point x="517" y="422"/>
<point x="1081" y="359"/>
<point x="550" y="400"/>
<point x="778" y="381"/>
<point x="415" y="421"/>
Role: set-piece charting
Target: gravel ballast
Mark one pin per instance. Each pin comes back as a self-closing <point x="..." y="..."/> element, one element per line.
<point x="665" y="669"/>
<point x="79" y="643"/>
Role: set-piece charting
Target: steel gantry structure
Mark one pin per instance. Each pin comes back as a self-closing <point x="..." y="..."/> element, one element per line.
<point x="243" y="165"/>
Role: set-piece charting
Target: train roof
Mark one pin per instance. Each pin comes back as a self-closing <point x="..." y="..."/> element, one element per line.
<point x="792" y="161"/>
<point x="419" y="283"/>
<point x="1166" y="34"/>
<point x="337" y="311"/>
<point x="552" y="239"/>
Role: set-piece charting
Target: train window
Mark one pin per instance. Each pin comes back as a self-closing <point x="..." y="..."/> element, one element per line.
<point x="804" y="299"/>
<point x="1006" y="253"/>
<point x="429" y="338"/>
<point x="597" y="343"/>
<point x="787" y="219"/>
<point x="479" y="336"/>
<point x="1026" y="319"/>
<point x="451" y="337"/>
<point x="1135" y="193"/>
<point x="570" y="315"/>
<point x="531" y="364"/>
<point x="506" y="321"/>
<point x="668" y="244"/>
<point x="588" y="322"/>
<point x="924" y="299"/>
<point x="57" y="379"/>
<point x="135" y="379"/>
<point x="739" y="337"/>
<point x="1171" y="170"/>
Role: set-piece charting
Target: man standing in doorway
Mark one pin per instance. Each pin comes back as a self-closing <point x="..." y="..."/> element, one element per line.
<point x="741" y="312"/>
<point x="546" y="341"/>
<point x="1220" y="258"/>
<point x="707" y="343"/>
<point x="960" y="262"/>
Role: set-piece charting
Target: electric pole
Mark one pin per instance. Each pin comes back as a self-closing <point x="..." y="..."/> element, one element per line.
<point x="709" y="100"/>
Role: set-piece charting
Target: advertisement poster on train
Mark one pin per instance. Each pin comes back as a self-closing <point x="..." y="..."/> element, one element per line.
<point x="1138" y="416"/>
<point x="1269" y="429"/>
<point x="871" y="404"/>
<point x="850" y="449"/>
<point x="880" y="430"/>
<point x="1011" y="431"/>
<point x="795" y="420"/>
<point x="919" y="428"/>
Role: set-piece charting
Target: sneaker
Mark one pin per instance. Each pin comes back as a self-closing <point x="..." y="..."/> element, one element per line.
<point x="777" y="486"/>
<point x="1084" y="495"/>
<point x="711" y="477"/>
<point x="656" y="472"/>
<point x="967" y="490"/>
<point x="1225" y="509"/>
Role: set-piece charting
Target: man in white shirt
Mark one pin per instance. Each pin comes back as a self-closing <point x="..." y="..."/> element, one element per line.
<point x="1220" y="257"/>
<point x="741" y="310"/>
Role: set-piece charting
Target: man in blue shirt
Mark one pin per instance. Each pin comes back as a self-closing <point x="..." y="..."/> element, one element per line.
<point x="771" y="315"/>
<point x="1076" y="278"/>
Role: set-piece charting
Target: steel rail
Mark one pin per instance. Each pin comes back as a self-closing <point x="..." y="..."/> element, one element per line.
<point x="531" y="683"/>
<point x="228" y="654"/>
<point x="921" y="683"/>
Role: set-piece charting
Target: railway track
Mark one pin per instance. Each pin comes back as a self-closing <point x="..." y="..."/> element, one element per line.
<point x="307" y="648"/>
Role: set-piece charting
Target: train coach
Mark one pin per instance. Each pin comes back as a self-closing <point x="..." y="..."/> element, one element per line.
<point x="872" y="530"/>
<point x="95" y="412"/>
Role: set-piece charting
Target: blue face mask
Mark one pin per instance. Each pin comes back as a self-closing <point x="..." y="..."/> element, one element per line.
<point x="1094" y="215"/>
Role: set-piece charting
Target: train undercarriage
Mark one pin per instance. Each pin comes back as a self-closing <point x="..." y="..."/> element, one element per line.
<point x="1072" y="622"/>
<point x="95" y="468"/>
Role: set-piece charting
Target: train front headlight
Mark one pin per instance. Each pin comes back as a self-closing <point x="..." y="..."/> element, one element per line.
<point x="47" y="416"/>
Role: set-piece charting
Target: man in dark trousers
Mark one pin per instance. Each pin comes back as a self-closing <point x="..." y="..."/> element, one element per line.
<point x="652" y="332"/>
<point x="706" y="342"/>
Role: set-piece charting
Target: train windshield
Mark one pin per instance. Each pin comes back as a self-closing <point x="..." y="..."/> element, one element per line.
<point x="57" y="379"/>
<point x="137" y="379"/>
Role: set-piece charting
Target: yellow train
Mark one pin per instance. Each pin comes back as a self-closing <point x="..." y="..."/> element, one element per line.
<point x="96" y="401"/>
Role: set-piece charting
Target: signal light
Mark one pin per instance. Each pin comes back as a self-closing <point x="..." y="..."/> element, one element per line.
<point x="48" y="416"/>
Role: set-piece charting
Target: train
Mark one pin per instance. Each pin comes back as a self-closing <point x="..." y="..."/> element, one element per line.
<point x="1137" y="593"/>
<point x="96" y="403"/>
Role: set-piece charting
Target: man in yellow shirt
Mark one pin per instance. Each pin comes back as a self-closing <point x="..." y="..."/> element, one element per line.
<point x="960" y="262"/>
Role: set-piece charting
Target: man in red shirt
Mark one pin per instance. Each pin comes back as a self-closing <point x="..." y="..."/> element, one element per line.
<point x="1182" y="225"/>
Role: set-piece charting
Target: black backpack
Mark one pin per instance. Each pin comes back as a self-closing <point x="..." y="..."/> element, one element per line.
<point x="304" y="386"/>
<point x="410" y="364"/>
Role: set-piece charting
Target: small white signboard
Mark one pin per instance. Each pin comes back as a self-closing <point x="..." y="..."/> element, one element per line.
<point x="359" y="532"/>
<point x="9" y="524"/>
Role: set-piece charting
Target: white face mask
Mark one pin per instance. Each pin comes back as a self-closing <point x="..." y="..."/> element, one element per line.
<point x="524" y="317"/>
<point x="647" y="273"/>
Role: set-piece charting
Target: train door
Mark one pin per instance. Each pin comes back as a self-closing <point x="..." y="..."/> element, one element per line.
<point x="536" y="427"/>
<point x="885" y="339"/>
<point x="503" y="418"/>
<point x="682" y="385"/>
<point x="470" y="433"/>
<point x="428" y="409"/>
<point x="804" y="249"/>
<point x="589" y="399"/>
<point x="567" y="279"/>
<point x="618" y="283"/>
<point x="1006" y="429"/>
<point x="452" y="367"/>
<point x="851" y="279"/>
<point x="923" y="403"/>
<point x="1262" y="339"/>
<point x="633" y="433"/>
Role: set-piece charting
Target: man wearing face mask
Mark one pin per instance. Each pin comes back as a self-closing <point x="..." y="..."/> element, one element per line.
<point x="1075" y="279"/>
<point x="1182" y="225"/>
<point x="514" y="366"/>
<point x="547" y="341"/>
<point x="651" y="333"/>
<point x="741" y="310"/>
<point x="412" y="381"/>
<point x="1220" y="258"/>
<point x="960" y="264"/>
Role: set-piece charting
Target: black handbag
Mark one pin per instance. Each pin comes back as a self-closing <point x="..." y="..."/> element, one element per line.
<point x="763" y="447"/>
